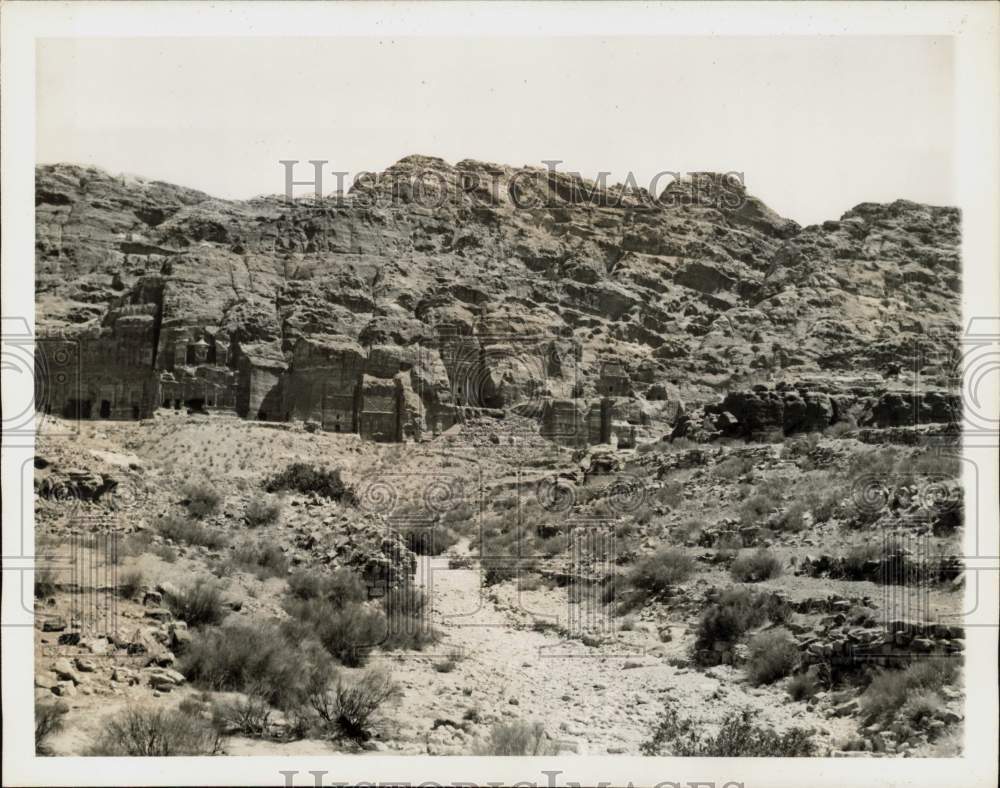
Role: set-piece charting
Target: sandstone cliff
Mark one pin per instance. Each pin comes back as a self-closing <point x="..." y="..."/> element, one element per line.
<point x="524" y="286"/>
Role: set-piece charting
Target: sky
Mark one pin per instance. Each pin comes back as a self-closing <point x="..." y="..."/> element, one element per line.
<point x="816" y="124"/>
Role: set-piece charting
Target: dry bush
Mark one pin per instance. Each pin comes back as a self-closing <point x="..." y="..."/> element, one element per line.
<point x="129" y="583"/>
<point x="155" y="733"/>
<point x="347" y="631"/>
<point x="449" y="663"/>
<point x="250" y="716"/>
<point x="305" y="478"/>
<point x="165" y="553"/>
<point x="261" y="511"/>
<point x="737" y="611"/>
<point x="408" y="621"/>
<point x="45" y="581"/>
<point x="773" y="655"/>
<point x="199" y="604"/>
<point x="350" y="709"/>
<point x="921" y="707"/>
<point x="756" y="567"/>
<point x="802" y="686"/>
<point x="338" y="587"/>
<point x="432" y="540"/>
<point x="756" y="509"/>
<point x="665" y="568"/>
<point x="264" y="559"/>
<point x="201" y="498"/>
<point x="178" y="528"/>
<point x="278" y="664"/>
<point x="890" y="689"/>
<point x="739" y="736"/>
<point x="517" y="738"/>
<point x="733" y="468"/>
<point x="48" y="720"/>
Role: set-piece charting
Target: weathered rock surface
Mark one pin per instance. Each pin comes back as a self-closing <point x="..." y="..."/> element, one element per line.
<point x="476" y="285"/>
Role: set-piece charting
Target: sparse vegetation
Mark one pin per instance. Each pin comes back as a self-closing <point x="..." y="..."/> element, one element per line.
<point x="181" y="529"/>
<point x="279" y="664"/>
<point x="665" y="568"/>
<point x="305" y="478"/>
<point x="250" y="716"/>
<point x="756" y="567"/>
<point x="347" y="631"/>
<point x="773" y="655"/>
<point x="156" y="732"/>
<point x="199" y="604"/>
<point x="517" y="738"/>
<point x="264" y="558"/>
<point x="890" y="689"/>
<point x="351" y="708"/>
<point x="338" y="587"/>
<point x="45" y="581"/>
<point x="48" y="720"/>
<point x="733" y="468"/>
<point x="802" y="686"/>
<point x="129" y="583"/>
<point x="261" y="511"/>
<point x="429" y="540"/>
<point x="737" y="611"/>
<point x="739" y="736"/>
<point x="201" y="499"/>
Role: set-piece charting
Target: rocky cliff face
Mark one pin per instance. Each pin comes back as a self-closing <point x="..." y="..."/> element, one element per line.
<point x="488" y="286"/>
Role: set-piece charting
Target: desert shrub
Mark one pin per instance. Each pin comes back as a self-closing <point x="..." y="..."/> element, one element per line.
<point x="841" y="429"/>
<point x="305" y="478"/>
<point x="278" y="664"/>
<point x="262" y="511"/>
<point x="921" y="707"/>
<point x="449" y="663"/>
<point x="932" y="462"/>
<point x="264" y="558"/>
<point x="858" y="556"/>
<point x="178" y="528"/>
<point x="497" y="571"/>
<point x="408" y="620"/>
<point x="756" y="567"/>
<point x="433" y="540"/>
<point x="156" y="732"/>
<point x="350" y="709"/>
<point x="890" y="689"/>
<point x="129" y="583"/>
<point x="738" y="611"/>
<point x="338" y="587"/>
<point x="517" y="738"/>
<point x="45" y="581"/>
<point x="249" y="716"/>
<point x="670" y="494"/>
<point x="739" y="736"/>
<point x="793" y="519"/>
<point x="665" y="568"/>
<point x="690" y="530"/>
<point x="199" y="604"/>
<point x="733" y="468"/>
<point x="165" y="553"/>
<point x="755" y="509"/>
<point x="201" y="498"/>
<point x="348" y="632"/>
<point x="773" y="655"/>
<point x="48" y="720"/>
<point x="802" y="686"/>
<point x="881" y="461"/>
<point x="135" y="544"/>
